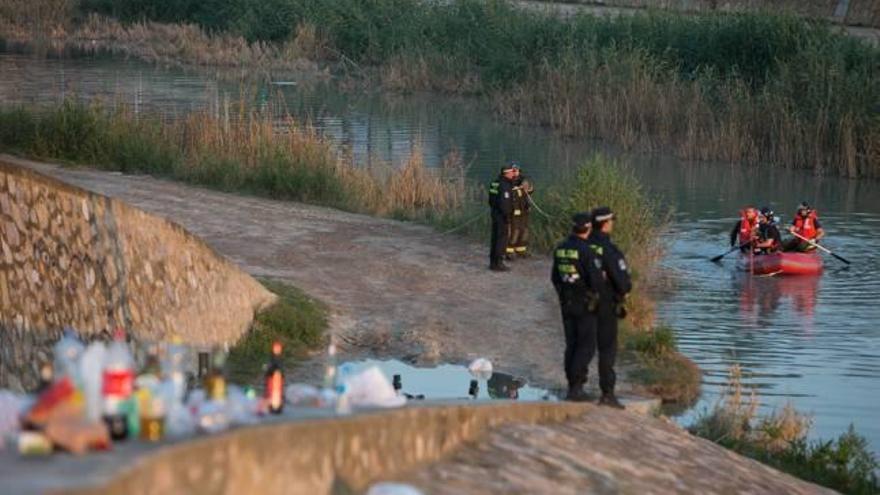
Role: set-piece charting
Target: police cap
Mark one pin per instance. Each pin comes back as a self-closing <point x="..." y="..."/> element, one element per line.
<point x="602" y="214"/>
<point x="580" y="222"/>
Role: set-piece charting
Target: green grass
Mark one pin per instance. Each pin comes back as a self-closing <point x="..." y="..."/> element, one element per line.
<point x="661" y="369"/>
<point x="296" y="320"/>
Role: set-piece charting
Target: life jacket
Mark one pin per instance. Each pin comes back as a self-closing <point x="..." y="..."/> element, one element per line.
<point x="747" y="227"/>
<point x="806" y="226"/>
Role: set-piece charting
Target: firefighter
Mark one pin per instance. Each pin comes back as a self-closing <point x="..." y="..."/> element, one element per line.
<point x="805" y="224"/>
<point x="519" y="225"/>
<point x="745" y="231"/>
<point x="615" y="286"/>
<point x="501" y="208"/>
<point x="576" y="276"/>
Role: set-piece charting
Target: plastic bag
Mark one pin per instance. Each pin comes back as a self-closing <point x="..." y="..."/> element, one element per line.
<point x="393" y="489"/>
<point x="481" y="368"/>
<point x="370" y="388"/>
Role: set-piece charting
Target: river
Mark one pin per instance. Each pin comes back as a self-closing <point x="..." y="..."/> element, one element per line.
<point x="811" y="341"/>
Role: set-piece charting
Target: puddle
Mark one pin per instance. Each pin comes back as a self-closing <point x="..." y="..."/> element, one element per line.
<point x="454" y="382"/>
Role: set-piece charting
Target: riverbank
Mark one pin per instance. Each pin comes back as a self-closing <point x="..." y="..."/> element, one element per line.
<point x="753" y="89"/>
<point x="396" y="291"/>
<point x="299" y="165"/>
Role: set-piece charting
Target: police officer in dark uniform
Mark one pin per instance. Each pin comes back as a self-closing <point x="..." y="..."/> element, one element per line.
<point x="501" y="205"/>
<point x="519" y="226"/>
<point x="576" y="276"/>
<point x="615" y="285"/>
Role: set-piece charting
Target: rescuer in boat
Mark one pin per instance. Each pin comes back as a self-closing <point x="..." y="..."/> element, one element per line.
<point x="745" y="231"/>
<point x="805" y="224"/>
<point x="769" y="240"/>
<point x="616" y="284"/>
<point x="501" y="207"/>
<point x="577" y="278"/>
<point x="519" y="223"/>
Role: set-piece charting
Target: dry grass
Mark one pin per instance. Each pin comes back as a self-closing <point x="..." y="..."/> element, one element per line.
<point x="249" y="153"/>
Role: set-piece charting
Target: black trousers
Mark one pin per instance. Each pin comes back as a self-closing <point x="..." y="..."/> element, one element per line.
<point x="580" y="345"/>
<point x="606" y="323"/>
<point x="499" y="238"/>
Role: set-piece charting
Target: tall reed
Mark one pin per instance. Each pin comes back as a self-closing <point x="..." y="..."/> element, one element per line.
<point x="252" y="153"/>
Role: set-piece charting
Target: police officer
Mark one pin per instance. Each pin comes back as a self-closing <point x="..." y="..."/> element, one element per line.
<point x="501" y="205"/>
<point x="576" y="276"/>
<point x="615" y="286"/>
<point x="519" y="224"/>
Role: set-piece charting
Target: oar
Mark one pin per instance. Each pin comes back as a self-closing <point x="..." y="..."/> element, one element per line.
<point x="716" y="259"/>
<point x="823" y="248"/>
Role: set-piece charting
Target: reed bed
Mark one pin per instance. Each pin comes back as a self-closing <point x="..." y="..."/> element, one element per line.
<point x="742" y="87"/>
<point x="252" y="153"/>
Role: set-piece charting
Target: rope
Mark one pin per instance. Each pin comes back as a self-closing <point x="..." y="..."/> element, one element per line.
<point x="453" y="229"/>
<point x="538" y="208"/>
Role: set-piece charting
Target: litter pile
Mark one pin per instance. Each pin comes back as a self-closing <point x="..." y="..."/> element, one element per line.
<point x="92" y="396"/>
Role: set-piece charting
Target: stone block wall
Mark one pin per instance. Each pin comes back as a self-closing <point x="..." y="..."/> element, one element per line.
<point x="72" y="257"/>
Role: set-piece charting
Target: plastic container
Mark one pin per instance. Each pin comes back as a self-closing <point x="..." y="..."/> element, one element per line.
<point x="68" y="351"/>
<point x="117" y="385"/>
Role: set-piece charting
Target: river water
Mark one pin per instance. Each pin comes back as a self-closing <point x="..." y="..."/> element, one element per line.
<point x="811" y="341"/>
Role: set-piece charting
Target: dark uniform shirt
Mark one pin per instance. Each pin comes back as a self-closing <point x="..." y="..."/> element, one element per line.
<point x="769" y="231"/>
<point x="576" y="274"/>
<point x="617" y="283"/>
<point x="501" y="197"/>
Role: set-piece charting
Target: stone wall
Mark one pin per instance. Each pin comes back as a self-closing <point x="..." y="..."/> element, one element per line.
<point x="72" y="257"/>
<point x="445" y="448"/>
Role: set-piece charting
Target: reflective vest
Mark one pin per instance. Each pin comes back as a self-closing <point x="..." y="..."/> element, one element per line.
<point x="806" y="226"/>
<point x="494" y="186"/>
<point x="747" y="227"/>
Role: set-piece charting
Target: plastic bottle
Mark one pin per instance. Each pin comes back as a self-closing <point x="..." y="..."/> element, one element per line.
<point x="117" y="386"/>
<point x="67" y="352"/>
<point x="215" y="381"/>
<point x="343" y="405"/>
<point x="91" y="368"/>
<point x="330" y="371"/>
<point x="274" y="381"/>
<point x="174" y="368"/>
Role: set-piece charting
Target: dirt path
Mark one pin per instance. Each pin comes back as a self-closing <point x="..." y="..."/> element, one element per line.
<point x="868" y="34"/>
<point x="395" y="289"/>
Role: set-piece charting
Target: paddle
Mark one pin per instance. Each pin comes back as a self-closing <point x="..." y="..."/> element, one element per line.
<point x="823" y="248"/>
<point x="716" y="259"/>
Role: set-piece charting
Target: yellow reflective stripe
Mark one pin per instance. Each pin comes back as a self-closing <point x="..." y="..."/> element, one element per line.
<point x="493" y="187"/>
<point x="568" y="254"/>
<point x="510" y="250"/>
<point x="566" y="269"/>
<point x="520" y="249"/>
<point x="596" y="249"/>
<point x="517" y="213"/>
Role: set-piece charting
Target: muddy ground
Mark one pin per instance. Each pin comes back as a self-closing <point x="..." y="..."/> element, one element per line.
<point x="395" y="289"/>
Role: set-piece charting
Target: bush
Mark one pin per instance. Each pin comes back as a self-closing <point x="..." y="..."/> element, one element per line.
<point x="780" y="440"/>
<point x="295" y="320"/>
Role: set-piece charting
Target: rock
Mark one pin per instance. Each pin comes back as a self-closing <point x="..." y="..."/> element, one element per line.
<point x="11" y="233"/>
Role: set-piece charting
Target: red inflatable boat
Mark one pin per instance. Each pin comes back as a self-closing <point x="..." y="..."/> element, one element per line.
<point x="781" y="263"/>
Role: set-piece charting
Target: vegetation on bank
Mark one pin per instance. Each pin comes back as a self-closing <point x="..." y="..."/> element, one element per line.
<point x="780" y="440"/>
<point x="295" y="319"/>
<point x="250" y="155"/>
<point x="744" y="87"/>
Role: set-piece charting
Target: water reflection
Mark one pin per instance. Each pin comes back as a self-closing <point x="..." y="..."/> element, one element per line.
<point x="761" y="297"/>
